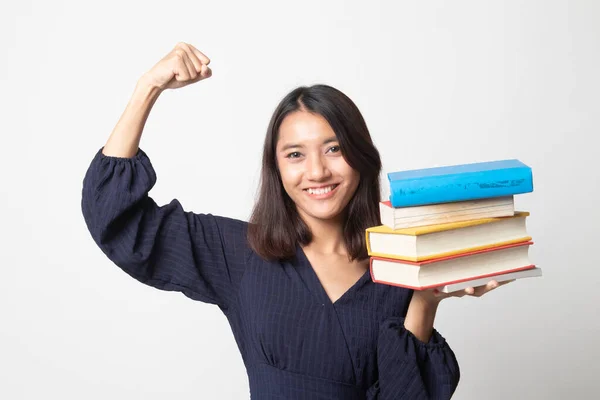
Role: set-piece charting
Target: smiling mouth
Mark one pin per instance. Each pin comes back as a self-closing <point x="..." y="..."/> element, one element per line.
<point x="321" y="190"/>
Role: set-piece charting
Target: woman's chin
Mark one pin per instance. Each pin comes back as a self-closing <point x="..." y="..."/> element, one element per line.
<point x="323" y="215"/>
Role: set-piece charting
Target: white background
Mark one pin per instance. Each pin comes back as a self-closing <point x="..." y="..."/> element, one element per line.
<point x="438" y="82"/>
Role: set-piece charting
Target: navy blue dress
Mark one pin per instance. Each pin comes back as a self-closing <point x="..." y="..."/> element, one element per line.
<point x="295" y="343"/>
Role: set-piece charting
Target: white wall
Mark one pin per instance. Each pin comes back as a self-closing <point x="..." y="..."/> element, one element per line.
<point x="439" y="82"/>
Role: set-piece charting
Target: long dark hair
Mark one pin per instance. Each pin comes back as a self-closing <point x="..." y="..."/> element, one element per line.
<point x="275" y="227"/>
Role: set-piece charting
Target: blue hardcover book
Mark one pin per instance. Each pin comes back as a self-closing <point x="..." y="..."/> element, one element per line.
<point x="459" y="183"/>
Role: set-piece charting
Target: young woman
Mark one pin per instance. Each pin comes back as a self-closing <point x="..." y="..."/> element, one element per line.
<point x="293" y="282"/>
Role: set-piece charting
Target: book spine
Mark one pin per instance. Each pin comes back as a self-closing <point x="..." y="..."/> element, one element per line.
<point x="460" y="187"/>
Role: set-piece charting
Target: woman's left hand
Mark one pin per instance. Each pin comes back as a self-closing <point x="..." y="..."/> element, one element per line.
<point x="434" y="296"/>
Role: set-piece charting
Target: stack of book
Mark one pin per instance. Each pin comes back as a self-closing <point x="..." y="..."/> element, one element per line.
<point x="453" y="227"/>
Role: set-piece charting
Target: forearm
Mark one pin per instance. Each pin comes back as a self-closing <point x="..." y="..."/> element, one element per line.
<point x="125" y="138"/>
<point x="414" y="361"/>
<point x="420" y="317"/>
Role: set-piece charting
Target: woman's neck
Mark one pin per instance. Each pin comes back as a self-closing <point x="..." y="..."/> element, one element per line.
<point x="327" y="236"/>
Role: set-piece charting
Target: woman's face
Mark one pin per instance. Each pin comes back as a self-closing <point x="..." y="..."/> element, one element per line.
<point x="313" y="171"/>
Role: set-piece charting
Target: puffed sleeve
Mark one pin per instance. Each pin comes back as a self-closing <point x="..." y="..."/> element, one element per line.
<point x="199" y="255"/>
<point x="410" y="369"/>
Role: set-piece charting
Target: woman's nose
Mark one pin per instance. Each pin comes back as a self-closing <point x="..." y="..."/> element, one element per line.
<point x="317" y="169"/>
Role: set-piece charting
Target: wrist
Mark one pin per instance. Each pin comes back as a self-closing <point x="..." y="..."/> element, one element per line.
<point x="146" y="86"/>
<point x="425" y="299"/>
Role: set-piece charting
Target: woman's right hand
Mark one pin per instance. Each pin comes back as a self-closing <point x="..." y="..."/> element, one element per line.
<point x="184" y="65"/>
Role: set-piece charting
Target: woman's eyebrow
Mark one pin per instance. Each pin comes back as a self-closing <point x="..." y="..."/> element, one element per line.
<point x="291" y="146"/>
<point x="297" y="145"/>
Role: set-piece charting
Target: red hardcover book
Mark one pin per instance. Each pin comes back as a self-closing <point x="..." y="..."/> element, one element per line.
<point x="450" y="270"/>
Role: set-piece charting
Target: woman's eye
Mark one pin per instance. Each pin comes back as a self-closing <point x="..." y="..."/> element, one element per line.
<point x="294" y="154"/>
<point x="334" y="149"/>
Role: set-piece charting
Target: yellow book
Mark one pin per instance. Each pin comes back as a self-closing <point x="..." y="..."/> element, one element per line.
<point x="441" y="240"/>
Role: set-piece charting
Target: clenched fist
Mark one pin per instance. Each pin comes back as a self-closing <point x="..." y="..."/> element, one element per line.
<point x="184" y="65"/>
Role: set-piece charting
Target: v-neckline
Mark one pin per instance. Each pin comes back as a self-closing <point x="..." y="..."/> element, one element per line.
<point x="310" y="275"/>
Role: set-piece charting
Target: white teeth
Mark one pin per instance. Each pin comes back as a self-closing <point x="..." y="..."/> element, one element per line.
<point x="321" y="190"/>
